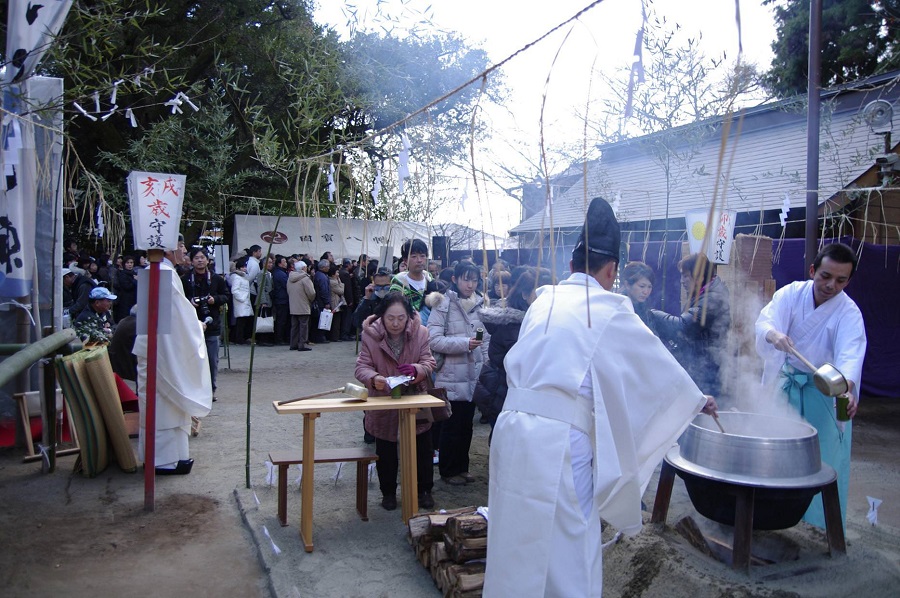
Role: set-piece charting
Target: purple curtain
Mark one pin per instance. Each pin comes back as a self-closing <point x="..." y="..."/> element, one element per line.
<point x="875" y="288"/>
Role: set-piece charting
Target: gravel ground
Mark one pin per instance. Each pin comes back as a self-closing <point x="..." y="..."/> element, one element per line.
<point x="208" y="535"/>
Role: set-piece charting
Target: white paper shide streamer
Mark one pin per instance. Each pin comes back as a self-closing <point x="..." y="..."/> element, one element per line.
<point x="376" y="187"/>
<point x="403" y="169"/>
<point x="101" y="225"/>
<point x="785" y="208"/>
<point x="872" y="515"/>
<point x="275" y="548"/>
<point x="331" y="186"/>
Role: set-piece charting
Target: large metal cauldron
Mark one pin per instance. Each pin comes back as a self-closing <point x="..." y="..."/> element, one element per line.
<point x="778" y="457"/>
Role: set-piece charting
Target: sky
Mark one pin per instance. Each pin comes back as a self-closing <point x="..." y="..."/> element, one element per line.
<point x="603" y="37"/>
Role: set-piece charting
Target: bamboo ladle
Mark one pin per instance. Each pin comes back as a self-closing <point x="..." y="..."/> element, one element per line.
<point x="353" y="390"/>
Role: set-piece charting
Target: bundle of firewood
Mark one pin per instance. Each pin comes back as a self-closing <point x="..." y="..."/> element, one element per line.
<point x="452" y="545"/>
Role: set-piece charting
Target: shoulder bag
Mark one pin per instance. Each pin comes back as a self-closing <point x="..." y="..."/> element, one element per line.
<point x="435" y="414"/>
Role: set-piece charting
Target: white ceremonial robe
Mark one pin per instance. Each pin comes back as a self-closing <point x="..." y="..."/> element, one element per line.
<point x="832" y="333"/>
<point x="539" y="541"/>
<point x="183" y="384"/>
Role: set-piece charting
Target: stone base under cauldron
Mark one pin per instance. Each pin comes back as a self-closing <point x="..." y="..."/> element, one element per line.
<point x="716" y="539"/>
<point x="661" y="563"/>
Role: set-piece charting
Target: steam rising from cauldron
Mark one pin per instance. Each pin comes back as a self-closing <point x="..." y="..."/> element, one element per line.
<point x="742" y="366"/>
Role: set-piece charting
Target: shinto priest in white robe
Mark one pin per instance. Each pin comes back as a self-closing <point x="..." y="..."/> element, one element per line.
<point x="183" y="385"/>
<point x="831" y="333"/>
<point x="607" y="399"/>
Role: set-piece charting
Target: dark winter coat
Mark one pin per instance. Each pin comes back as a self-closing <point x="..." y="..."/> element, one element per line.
<point x="208" y="284"/>
<point x="126" y="292"/>
<point x="323" y="290"/>
<point x="376" y="359"/>
<point x="350" y="297"/>
<point x="366" y="308"/>
<point x="503" y="324"/>
<point x="700" y="335"/>
<point x="279" y="286"/>
<point x="78" y="298"/>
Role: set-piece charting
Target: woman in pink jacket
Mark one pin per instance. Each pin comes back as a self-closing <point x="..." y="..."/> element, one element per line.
<point x="394" y="342"/>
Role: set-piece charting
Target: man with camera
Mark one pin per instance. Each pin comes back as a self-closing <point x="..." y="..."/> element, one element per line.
<point x="207" y="292"/>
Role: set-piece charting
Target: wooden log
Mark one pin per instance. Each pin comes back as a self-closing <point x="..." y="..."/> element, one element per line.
<point x="468" y="594"/>
<point x="466" y="549"/>
<point x="438" y="553"/>
<point x="423" y="551"/>
<point x="467" y="526"/>
<point x="418" y="526"/>
<point x="465" y="577"/>
<point x="443" y="577"/>
<point x="433" y="524"/>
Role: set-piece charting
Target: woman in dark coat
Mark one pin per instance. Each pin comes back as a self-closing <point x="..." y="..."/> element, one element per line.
<point x="503" y="324"/>
<point x="701" y="332"/>
<point x="637" y="284"/>
<point x="394" y="342"/>
<point x="126" y="289"/>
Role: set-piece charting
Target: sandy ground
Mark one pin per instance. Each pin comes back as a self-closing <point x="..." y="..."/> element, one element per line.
<point x="66" y="534"/>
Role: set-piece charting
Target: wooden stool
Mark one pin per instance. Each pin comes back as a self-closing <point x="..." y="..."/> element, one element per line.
<point x="30" y="406"/>
<point x="362" y="457"/>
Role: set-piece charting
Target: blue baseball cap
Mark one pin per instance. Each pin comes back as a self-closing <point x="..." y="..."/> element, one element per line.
<point x="100" y="293"/>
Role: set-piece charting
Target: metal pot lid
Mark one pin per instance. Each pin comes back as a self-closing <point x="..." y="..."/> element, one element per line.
<point x="824" y="476"/>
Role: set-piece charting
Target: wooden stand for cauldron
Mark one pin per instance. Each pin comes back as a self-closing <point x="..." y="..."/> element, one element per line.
<point x="743" y="515"/>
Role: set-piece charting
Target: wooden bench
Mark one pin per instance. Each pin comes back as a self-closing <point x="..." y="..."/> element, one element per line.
<point x="362" y="457"/>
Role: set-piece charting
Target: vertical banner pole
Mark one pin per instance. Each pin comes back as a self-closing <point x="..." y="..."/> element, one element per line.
<point x="155" y="256"/>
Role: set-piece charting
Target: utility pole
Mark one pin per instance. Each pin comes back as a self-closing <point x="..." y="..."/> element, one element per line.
<point x="812" y="129"/>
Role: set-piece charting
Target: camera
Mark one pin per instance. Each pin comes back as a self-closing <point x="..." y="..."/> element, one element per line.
<point x="201" y="304"/>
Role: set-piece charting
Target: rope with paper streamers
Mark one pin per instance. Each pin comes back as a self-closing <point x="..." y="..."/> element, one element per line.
<point x="102" y="115"/>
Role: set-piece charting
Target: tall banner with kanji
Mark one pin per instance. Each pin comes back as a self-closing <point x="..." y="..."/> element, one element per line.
<point x="31" y="27"/>
<point x="156" y="200"/>
<point x="720" y="236"/>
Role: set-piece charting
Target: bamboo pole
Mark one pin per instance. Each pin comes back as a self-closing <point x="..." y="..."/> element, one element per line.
<point x="262" y="278"/>
<point x="23" y="359"/>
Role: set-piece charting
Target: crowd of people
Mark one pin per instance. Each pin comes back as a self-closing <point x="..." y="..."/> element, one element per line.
<point x="552" y="367"/>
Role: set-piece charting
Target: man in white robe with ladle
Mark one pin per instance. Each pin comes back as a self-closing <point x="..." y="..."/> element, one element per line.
<point x="816" y="319"/>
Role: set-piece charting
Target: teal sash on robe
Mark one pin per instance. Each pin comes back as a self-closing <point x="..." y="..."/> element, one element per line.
<point x="834" y="442"/>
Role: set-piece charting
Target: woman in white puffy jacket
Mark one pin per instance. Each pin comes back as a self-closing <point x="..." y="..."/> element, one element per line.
<point x="452" y="330"/>
<point x="243" y="310"/>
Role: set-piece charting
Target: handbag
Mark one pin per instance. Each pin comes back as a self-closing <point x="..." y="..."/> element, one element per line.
<point x="325" y="318"/>
<point x="436" y="414"/>
<point x="265" y="324"/>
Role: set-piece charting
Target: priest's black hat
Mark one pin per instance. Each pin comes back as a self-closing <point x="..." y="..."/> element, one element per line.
<point x="600" y="231"/>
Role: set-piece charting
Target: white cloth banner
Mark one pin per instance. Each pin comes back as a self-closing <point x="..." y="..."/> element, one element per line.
<point x="344" y="237"/>
<point x="30" y="29"/>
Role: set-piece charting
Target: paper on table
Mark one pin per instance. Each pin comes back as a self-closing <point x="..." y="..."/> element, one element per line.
<point x="395" y="381"/>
